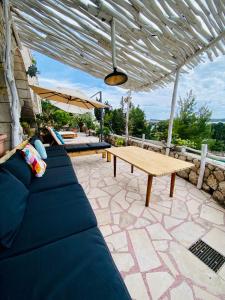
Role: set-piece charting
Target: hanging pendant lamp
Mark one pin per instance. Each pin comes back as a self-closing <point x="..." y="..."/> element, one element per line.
<point x="116" y="77"/>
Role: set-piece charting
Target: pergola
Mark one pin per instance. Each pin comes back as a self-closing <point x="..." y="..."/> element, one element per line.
<point x="156" y="40"/>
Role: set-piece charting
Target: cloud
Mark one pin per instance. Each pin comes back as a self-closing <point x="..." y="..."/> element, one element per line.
<point x="206" y="81"/>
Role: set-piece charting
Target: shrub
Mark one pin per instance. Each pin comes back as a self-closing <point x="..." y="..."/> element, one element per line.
<point x="119" y="142"/>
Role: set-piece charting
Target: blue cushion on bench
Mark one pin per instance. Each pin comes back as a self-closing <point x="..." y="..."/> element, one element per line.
<point x="13" y="198"/>
<point x="53" y="178"/>
<point x="78" y="267"/>
<point x="17" y="165"/>
<point x="52" y="215"/>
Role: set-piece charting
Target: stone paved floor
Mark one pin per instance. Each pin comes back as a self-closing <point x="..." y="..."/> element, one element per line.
<point x="149" y="245"/>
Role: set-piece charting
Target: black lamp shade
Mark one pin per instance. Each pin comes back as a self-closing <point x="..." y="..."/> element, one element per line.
<point x="116" y="78"/>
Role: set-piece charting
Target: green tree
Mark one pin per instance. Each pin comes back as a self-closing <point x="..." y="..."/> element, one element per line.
<point x="191" y="124"/>
<point x="218" y="131"/>
<point x="61" y="118"/>
<point x="118" y="121"/>
<point x="160" y="130"/>
<point x="137" y="122"/>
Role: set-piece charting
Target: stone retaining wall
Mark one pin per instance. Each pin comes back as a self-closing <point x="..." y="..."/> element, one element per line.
<point x="214" y="176"/>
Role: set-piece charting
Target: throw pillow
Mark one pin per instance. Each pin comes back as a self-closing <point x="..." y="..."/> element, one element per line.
<point x="13" y="195"/>
<point x="40" y="148"/>
<point x="59" y="137"/>
<point x="52" y="132"/>
<point x="33" y="159"/>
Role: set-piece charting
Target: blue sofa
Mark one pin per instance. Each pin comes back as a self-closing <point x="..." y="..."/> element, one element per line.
<point x="58" y="252"/>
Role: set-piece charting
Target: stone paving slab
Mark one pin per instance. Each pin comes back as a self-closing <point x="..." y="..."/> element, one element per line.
<point x="150" y="245"/>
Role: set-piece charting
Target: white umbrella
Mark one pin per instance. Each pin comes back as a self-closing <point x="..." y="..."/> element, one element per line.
<point x="67" y="96"/>
<point x="70" y="108"/>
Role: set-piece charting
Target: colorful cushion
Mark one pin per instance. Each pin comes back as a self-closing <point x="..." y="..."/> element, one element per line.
<point x="13" y="199"/>
<point x="59" y="137"/>
<point x="40" y="148"/>
<point x="33" y="159"/>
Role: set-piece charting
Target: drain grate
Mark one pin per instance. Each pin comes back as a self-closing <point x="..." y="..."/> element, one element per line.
<point x="208" y="255"/>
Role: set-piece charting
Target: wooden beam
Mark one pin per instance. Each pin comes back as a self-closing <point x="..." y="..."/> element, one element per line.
<point x="15" y="108"/>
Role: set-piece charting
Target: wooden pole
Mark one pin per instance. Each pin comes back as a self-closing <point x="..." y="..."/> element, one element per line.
<point x="172" y="112"/>
<point x="202" y="166"/>
<point x="15" y="108"/>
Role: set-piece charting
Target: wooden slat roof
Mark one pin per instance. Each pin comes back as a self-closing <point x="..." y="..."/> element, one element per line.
<point x="154" y="37"/>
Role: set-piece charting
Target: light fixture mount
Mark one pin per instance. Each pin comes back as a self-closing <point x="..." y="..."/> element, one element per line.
<point x="116" y="77"/>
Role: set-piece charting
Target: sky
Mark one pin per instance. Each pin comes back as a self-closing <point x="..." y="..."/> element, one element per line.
<point x="207" y="81"/>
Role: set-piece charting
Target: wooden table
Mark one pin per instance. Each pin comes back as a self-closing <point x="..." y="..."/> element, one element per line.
<point x="153" y="163"/>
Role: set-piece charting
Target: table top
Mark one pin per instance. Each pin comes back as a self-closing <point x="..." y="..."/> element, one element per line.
<point x="151" y="162"/>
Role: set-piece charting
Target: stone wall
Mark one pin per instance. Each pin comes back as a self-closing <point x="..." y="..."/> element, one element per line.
<point x="30" y="104"/>
<point x="5" y="116"/>
<point x="214" y="176"/>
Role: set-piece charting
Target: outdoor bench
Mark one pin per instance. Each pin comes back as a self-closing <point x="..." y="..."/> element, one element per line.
<point x="58" y="252"/>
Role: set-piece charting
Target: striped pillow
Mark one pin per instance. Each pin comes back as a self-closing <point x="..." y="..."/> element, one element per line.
<point x="33" y="159"/>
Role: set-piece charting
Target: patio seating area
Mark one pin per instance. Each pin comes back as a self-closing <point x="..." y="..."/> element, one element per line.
<point x="150" y="245"/>
<point x="54" y="188"/>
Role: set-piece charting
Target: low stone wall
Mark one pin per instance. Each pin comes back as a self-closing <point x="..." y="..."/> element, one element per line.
<point x="214" y="176"/>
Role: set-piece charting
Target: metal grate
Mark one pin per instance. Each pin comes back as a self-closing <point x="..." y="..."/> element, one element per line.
<point x="208" y="255"/>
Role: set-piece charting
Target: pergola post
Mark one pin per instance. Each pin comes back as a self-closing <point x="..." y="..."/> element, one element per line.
<point x="101" y="118"/>
<point x="128" y="99"/>
<point x="15" y="108"/>
<point x="172" y="111"/>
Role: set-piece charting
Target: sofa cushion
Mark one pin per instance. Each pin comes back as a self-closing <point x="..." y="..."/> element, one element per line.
<point x="52" y="215"/>
<point x="58" y="161"/>
<point x="54" y="178"/>
<point x="76" y="147"/>
<point x="55" y="151"/>
<point x="96" y="146"/>
<point x="13" y="198"/>
<point x="55" y="148"/>
<point x="19" y="168"/>
<point x="78" y="267"/>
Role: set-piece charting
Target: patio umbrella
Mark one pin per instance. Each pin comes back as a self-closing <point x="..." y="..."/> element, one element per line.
<point x="71" y="97"/>
<point x="70" y="108"/>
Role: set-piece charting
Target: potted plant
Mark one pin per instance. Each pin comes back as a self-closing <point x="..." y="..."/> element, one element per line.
<point x="119" y="142"/>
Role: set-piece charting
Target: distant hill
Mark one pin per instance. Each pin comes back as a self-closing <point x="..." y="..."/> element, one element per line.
<point x="217" y="120"/>
<point x="211" y="121"/>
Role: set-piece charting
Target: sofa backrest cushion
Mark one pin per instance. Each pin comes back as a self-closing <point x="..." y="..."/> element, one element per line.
<point x="13" y="199"/>
<point x="18" y="167"/>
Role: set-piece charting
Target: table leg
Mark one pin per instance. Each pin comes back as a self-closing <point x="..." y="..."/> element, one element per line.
<point x="132" y="168"/>
<point x="172" y="184"/>
<point x="108" y="156"/>
<point x="149" y="187"/>
<point x="114" y="164"/>
<point x="103" y="154"/>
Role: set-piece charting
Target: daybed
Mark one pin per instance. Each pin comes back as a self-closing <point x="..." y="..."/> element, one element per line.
<point x="79" y="149"/>
<point x="58" y="252"/>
